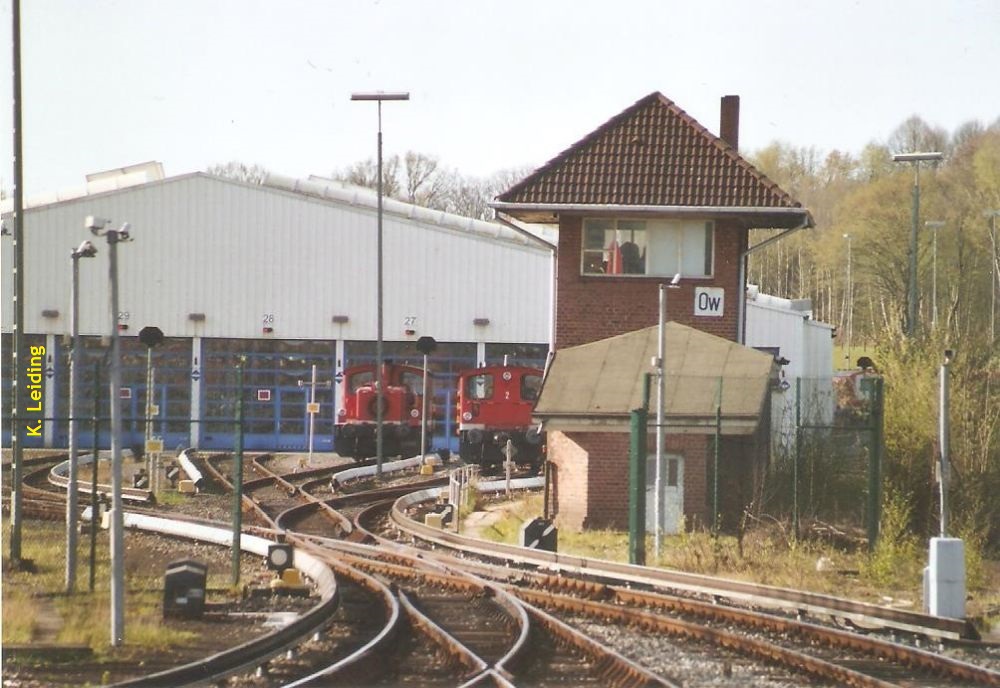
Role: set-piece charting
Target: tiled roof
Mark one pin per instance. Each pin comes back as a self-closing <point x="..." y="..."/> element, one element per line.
<point x="653" y="153"/>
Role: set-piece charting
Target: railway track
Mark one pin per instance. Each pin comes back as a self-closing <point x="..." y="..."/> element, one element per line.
<point x="468" y="612"/>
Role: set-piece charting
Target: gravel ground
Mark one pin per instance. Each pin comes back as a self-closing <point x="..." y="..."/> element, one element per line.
<point x="691" y="663"/>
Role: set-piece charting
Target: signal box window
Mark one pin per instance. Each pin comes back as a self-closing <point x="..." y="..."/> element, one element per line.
<point x="654" y="248"/>
<point x="358" y="380"/>
<point x="479" y="387"/>
<point x="530" y="384"/>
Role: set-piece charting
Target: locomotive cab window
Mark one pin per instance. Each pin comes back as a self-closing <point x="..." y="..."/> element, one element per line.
<point x="653" y="248"/>
<point x="479" y="387"/>
<point x="358" y="380"/>
<point x="412" y="381"/>
<point x="530" y="385"/>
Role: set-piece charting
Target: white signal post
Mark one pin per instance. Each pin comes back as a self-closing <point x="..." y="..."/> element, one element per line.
<point x="312" y="408"/>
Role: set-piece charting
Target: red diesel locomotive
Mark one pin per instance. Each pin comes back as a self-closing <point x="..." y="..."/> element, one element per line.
<point x="354" y="431"/>
<point x="494" y="405"/>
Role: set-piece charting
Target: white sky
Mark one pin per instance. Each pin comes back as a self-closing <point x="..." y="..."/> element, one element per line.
<point x="494" y="83"/>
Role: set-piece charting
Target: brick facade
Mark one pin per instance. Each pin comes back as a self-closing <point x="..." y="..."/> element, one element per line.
<point x="651" y="155"/>
<point x="591" y="474"/>
<point x="589" y="308"/>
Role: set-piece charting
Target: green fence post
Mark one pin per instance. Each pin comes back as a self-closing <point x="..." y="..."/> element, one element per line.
<point x="715" y="469"/>
<point x="238" y="476"/>
<point x="798" y="455"/>
<point x="637" y="480"/>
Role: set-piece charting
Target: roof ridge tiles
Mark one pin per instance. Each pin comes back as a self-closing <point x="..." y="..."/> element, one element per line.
<point x="651" y="153"/>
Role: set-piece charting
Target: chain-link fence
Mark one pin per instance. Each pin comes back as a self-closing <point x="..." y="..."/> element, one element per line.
<point x="826" y="455"/>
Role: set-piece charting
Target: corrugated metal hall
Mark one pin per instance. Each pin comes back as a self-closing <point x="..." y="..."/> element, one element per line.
<point x="283" y="273"/>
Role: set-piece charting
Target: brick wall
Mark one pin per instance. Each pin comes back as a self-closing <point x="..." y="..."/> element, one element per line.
<point x="592" y="468"/>
<point x="591" y="477"/>
<point x="569" y="489"/>
<point x="589" y="308"/>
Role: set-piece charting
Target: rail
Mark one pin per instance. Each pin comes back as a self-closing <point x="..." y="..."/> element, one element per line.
<point x="258" y="650"/>
<point x="795" y="600"/>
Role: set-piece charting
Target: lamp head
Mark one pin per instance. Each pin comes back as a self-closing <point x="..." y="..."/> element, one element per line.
<point x="949" y="356"/>
<point x="918" y="157"/>
<point x="381" y="95"/>
<point x="96" y="224"/>
<point x="85" y="250"/>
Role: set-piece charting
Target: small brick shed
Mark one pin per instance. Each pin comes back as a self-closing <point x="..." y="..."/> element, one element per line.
<point x="590" y="390"/>
<point x="648" y="195"/>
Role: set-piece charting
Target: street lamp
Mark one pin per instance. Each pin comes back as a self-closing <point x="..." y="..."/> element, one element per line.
<point x="378" y="97"/>
<point x="660" y="363"/>
<point x="98" y="226"/>
<point x="994" y="279"/>
<point x="85" y="250"/>
<point x="849" y="297"/>
<point x="934" y="225"/>
<point x="911" y="298"/>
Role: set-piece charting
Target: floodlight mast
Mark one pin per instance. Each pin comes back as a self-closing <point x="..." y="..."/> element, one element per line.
<point x="918" y="157"/>
<point x="911" y="292"/>
<point x="379" y="96"/>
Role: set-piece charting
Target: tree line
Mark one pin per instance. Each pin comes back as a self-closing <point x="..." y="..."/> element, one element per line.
<point x="862" y="205"/>
<point x="413" y="177"/>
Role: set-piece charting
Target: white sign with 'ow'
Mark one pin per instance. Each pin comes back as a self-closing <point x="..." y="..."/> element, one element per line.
<point x="709" y="301"/>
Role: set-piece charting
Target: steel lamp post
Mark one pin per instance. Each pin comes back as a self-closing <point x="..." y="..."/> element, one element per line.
<point x="849" y="296"/>
<point x="994" y="268"/>
<point x="85" y="250"/>
<point x="378" y="97"/>
<point x="911" y="298"/>
<point x="98" y="226"/>
<point x="935" y="225"/>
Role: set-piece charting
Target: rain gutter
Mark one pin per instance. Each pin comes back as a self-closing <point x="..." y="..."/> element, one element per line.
<point x="741" y="302"/>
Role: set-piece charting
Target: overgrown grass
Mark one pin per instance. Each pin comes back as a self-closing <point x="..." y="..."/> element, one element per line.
<point x="771" y="556"/>
<point x="169" y="497"/>
<point x="85" y="615"/>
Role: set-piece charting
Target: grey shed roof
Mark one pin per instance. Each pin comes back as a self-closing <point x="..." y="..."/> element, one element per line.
<point x="595" y="386"/>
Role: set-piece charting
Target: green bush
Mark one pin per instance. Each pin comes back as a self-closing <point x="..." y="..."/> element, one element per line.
<point x="897" y="559"/>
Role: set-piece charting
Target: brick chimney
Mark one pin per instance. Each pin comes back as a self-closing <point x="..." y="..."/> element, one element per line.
<point x="729" y="125"/>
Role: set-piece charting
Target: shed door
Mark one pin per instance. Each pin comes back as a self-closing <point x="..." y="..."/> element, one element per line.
<point x="672" y="506"/>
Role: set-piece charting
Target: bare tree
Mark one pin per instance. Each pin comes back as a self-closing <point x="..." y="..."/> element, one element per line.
<point x="365" y="173"/>
<point x="240" y="171"/>
<point x="916" y="135"/>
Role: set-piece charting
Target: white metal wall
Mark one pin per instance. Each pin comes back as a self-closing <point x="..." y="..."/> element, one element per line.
<point x="241" y="254"/>
<point x="808" y="346"/>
